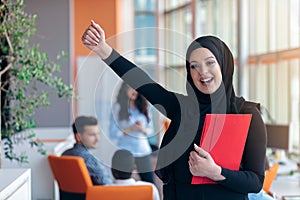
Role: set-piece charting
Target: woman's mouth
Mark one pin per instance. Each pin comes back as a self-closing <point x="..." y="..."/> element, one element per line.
<point x="206" y="81"/>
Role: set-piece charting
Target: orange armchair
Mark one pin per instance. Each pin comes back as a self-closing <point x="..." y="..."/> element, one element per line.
<point x="137" y="192"/>
<point x="75" y="183"/>
<point x="72" y="176"/>
<point x="270" y="175"/>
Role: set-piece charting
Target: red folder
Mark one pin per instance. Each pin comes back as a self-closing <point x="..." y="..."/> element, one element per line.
<point x="224" y="137"/>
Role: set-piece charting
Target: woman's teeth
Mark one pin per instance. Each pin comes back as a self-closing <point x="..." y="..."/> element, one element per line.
<point x="207" y="80"/>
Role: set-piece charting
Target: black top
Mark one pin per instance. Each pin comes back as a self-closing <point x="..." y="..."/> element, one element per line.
<point x="185" y="130"/>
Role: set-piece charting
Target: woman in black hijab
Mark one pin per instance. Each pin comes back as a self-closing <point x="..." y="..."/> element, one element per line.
<point x="209" y="65"/>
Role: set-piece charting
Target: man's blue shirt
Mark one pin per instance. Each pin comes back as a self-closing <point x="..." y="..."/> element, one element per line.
<point x="99" y="173"/>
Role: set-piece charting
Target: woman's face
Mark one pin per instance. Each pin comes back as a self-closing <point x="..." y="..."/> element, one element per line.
<point x="131" y="93"/>
<point x="205" y="70"/>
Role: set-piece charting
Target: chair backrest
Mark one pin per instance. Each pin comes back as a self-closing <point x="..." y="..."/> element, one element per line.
<point x="269" y="177"/>
<point x="136" y="192"/>
<point x="71" y="173"/>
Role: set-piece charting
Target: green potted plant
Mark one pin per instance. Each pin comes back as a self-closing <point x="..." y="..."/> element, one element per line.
<point x="23" y="69"/>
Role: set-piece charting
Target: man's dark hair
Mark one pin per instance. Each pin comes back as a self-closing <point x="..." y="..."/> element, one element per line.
<point x="81" y="122"/>
<point x="122" y="164"/>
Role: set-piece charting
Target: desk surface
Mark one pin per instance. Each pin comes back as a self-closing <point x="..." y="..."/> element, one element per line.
<point x="284" y="186"/>
<point x="286" y="166"/>
<point x="12" y="181"/>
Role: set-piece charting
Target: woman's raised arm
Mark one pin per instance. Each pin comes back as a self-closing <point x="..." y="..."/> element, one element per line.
<point x="165" y="101"/>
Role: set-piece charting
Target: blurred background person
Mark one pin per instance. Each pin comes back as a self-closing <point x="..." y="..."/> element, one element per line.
<point x="130" y="124"/>
<point x="122" y="166"/>
<point x="86" y="133"/>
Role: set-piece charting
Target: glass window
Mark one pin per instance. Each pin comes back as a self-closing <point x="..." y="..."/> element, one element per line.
<point x="273" y="48"/>
<point x="294" y="23"/>
<point x="201" y="18"/>
<point x="143" y="5"/>
<point x="294" y="105"/>
<point x="272" y="26"/>
<point x="173" y="4"/>
<point x="175" y="79"/>
<point x="275" y="75"/>
<point x="261" y="26"/>
<point x="145" y="53"/>
<point x="178" y="35"/>
<point x="217" y="17"/>
<point x="282" y="25"/>
<point x="145" y="34"/>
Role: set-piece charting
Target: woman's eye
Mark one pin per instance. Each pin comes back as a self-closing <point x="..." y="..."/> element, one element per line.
<point x="194" y="66"/>
<point x="209" y="63"/>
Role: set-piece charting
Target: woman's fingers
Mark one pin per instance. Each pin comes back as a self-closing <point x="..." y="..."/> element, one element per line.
<point x="98" y="31"/>
<point x="194" y="156"/>
<point x="201" y="152"/>
<point x="90" y="39"/>
<point x="198" y="161"/>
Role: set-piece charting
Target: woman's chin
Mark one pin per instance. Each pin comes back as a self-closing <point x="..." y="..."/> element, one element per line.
<point x="205" y="90"/>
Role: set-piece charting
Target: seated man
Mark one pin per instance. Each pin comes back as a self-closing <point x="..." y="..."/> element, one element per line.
<point x="86" y="132"/>
<point x="122" y="166"/>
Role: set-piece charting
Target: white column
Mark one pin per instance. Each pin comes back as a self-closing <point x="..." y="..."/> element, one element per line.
<point x="242" y="47"/>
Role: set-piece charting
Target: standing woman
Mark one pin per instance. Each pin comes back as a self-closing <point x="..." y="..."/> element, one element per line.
<point x="129" y="126"/>
<point x="209" y="67"/>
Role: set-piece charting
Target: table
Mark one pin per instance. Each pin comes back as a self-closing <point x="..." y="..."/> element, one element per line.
<point x="15" y="184"/>
<point x="287" y="187"/>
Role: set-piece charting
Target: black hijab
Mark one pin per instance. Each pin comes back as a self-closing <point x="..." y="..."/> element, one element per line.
<point x="225" y="59"/>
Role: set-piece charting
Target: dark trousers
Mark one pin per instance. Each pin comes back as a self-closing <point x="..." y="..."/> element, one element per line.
<point x="144" y="168"/>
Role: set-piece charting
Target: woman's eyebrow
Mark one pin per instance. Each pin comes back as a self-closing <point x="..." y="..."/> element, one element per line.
<point x="209" y="57"/>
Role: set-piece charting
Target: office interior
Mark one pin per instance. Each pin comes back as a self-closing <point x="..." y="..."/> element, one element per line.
<point x="263" y="35"/>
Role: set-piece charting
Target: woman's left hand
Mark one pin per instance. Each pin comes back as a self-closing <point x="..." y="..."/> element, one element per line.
<point x="202" y="164"/>
<point x="140" y="127"/>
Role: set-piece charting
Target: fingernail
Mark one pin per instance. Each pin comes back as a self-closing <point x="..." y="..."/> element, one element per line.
<point x="196" y="146"/>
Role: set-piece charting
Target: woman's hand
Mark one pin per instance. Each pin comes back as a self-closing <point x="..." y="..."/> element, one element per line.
<point x="138" y="126"/>
<point x="202" y="164"/>
<point x="94" y="39"/>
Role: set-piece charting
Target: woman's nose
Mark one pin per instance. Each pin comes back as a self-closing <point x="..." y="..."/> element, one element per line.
<point x="201" y="70"/>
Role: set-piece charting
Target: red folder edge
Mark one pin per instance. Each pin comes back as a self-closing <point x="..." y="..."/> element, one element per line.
<point x="226" y="149"/>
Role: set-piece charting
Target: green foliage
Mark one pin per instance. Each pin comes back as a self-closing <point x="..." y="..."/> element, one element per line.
<point x="25" y="68"/>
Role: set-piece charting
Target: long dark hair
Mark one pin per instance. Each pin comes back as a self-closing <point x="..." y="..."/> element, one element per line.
<point x="140" y="103"/>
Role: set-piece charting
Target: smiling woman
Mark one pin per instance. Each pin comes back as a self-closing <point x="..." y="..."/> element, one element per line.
<point x="209" y="67"/>
<point x="205" y="70"/>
